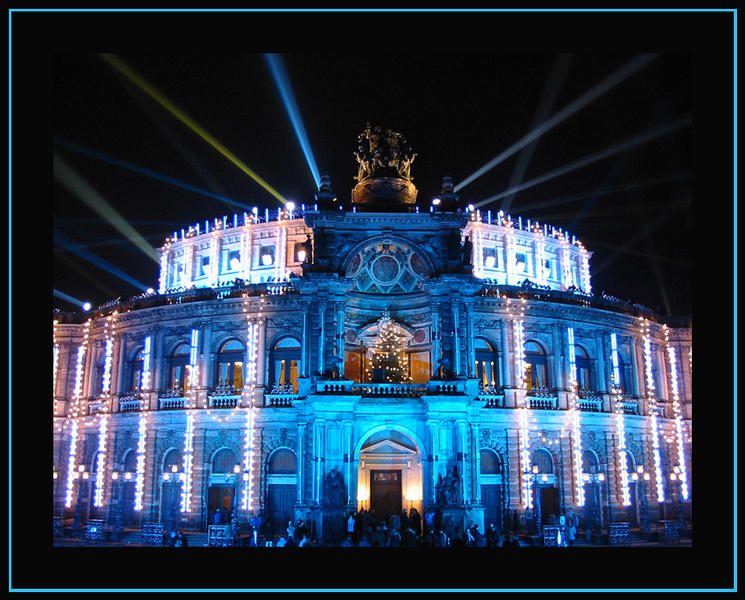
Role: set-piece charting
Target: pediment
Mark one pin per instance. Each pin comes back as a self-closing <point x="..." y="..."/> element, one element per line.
<point x="388" y="447"/>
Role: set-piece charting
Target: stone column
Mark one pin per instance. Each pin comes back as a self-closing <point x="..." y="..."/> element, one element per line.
<point x="434" y="431"/>
<point x="301" y="427"/>
<point x="601" y="372"/>
<point x="635" y="368"/>
<point x="119" y="385"/>
<point x="559" y="353"/>
<point x="319" y="444"/>
<point x="456" y="340"/>
<point x="158" y="360"/>
<point x="513" y="474"/>
<point x="505" y="357"/>
<point x="470" y="342"/>
<point x="208" y="357"/>
<point x="322" y="336"/>
<point x="304" y="360"/>
<point x="340" y="337"/>
<point x="462" y="456"/>
<point x="436" y="339"/>
<point x="476" y="462"/>
<point x="349" y="476"/>
<point x="261" y="366"/>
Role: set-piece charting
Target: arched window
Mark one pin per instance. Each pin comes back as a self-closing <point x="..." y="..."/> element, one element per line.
<point x="179" y="362"/>
<point x="490" y="463"/>
<point x="589" y="462"/>
<point x="630" y="463"/>
<point x="622" y="374"/>
<point x="129" y="464"/>
<point x="487" y="367"/>
<point x="282" y="462"/>
<point x="172" y="459"/>
<point x="542" y="459"/>
<point x="230" y="365"/>
<point x="536" y="370"/>
<point x="285" y="361"/>
<point x="224" y="461"/>
<point x="135" y="371"/>
<point x="582" y="361"/>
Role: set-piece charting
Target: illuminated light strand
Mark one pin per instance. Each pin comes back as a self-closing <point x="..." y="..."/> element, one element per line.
<point x="652" y="404"/>
<point x="574" y="422"/>
<point x="566" y="269"/>
<point x="146" y="360"/>
<point x="678" y="417"/>
<point x="71" y="461"/>
<point x="188" y="460"/>
<point x="141" y="447"/>
<point x="163" y="279"/>
<point x="55" y="361"/>
<point x="249" y="390"/>
<point x="622" y="457"/>
<point x="523" y="412"/>
<point x="585" y="270"/>
<point x="477" y="258"/>
<point x="101" y="461"/>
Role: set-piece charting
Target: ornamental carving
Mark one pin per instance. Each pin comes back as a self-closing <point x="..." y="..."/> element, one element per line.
<point x="387" y="268"/>
<point x="383" y="152"/>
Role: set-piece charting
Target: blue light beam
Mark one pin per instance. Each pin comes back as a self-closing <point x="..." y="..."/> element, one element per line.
<point x="637" y="140"/>
<point x="591" y="95"/>
<point x="92" y="257"/>
<point x="69" y="299"/>
<point x="277" y="67"/>
<point x="143" y="171"/>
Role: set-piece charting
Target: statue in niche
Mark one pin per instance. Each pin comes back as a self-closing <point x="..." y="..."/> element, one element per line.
<point x="334" y="488"/>
<point x="308" y="247"/>
<point x="448" y="488"/>
<point x="465" y="252"/>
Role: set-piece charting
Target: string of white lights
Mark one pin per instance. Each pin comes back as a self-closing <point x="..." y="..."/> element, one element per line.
<point x="573" y="418"/>
<point x="621" y="456"/>
<point x="141" y="448"/>
<point x="188" y="459"/>
<point x="652" y="406"/>
<point x="74" y="414"/>
<point x="677" y="416"/>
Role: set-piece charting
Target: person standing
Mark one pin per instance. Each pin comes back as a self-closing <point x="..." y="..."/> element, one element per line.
<point x="415" y="522"/>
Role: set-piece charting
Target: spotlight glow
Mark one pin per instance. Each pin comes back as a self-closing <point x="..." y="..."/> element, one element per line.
<point x="277" y="67"/>
<point x="140" y="82"/>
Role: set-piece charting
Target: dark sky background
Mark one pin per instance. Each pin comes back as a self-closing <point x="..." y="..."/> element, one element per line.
<point x="459" y="106"/>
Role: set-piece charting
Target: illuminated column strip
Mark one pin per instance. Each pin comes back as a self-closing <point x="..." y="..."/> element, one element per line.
<point x="189" y="434"/>
<point x="574" y="422"/>
<point x="585" y="270"/>
<point x="55" y="360"/>
<point x="281" y="262"/>
<point x="101" y="461"/>
<point x="652" y="404"/>
<point x="246" y="254"/>
<point x="540" y="258"/>
<point x="215" y="244"/>
<point x="677" y="415"/>
<point x="509" y="256"/>
<point x="477" y="259"/>
<point x="71" y="462"/>
<point x="141" y="447"/>
<point x="146" y="363"/>
<point x="106" y="379"/>
<point x="566" y="271"/>
<point x="523" y="412"/>
<point x="163" y="279"/>
<point x="249" y="390"/>
<point x="622" y="460"/>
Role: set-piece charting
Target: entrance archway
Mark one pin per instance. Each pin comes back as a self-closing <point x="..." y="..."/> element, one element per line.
<point x="389" y="475"/>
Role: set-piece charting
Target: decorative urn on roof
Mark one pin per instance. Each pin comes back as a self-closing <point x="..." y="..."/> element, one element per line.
<point x="384" y="181"/>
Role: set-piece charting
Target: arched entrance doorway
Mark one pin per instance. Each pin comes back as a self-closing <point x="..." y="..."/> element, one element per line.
<point x="389" y="477"/>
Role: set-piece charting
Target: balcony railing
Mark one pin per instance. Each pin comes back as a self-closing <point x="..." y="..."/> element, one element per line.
<point x="172" y="403"/>
<point x="446" y="388"/>
<point x="591" y="404"/>
<point x="97" y="405"/>
<point x="390" y="390"/>
<point x="130" y="403"/>
<point x="543" y="403"/>
<point x="224" y="401"/>
<point x="280" y="400"/>
<point x="492" y="396"/>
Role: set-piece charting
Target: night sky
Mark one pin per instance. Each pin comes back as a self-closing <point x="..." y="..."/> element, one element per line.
<point x="458" y="110"/>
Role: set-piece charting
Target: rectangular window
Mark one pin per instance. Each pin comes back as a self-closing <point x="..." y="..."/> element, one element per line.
<point x="420" y="367"/>
<point x="490" y="258"/>
<point x="231" y="261"/>
<point x="266" y="256"/>
<point x="203" y="266"/>
<point x="521" y="263"/>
